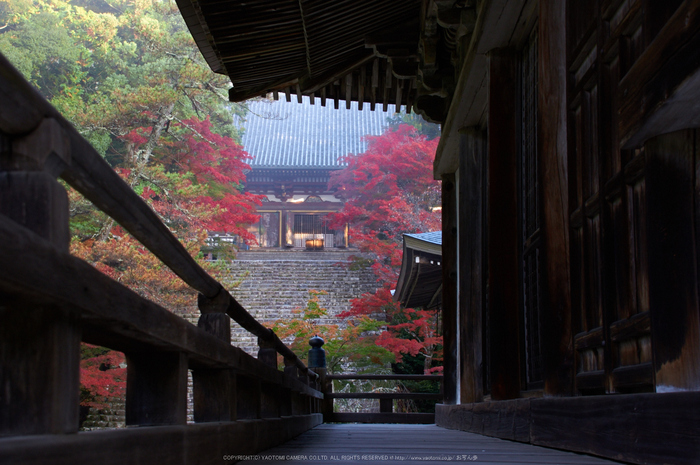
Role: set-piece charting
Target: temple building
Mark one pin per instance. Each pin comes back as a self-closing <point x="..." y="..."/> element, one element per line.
<point x="295" y="148"/>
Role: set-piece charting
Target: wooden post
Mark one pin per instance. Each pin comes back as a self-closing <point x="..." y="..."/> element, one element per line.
<point x="386" y="405"/>
<point x="291" y="371"/>
<point x="472" y="279"/>
<point x="326" y="387"/>
<point x="267" y="353"/>
<point x="214" y="390"/>
<point x="156" y="388"/>
<point x="449" y="287"/>
<point x="502" y="233"/>
<point x="39" y="344"/>
<point x="557" y="338"/>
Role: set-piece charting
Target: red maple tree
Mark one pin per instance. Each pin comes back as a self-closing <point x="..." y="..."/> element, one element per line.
<point x="389" y="191"/>
<point x="192" y="180"/>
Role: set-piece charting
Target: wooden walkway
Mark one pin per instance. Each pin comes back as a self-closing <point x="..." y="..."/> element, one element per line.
<point x="388" y="444"/>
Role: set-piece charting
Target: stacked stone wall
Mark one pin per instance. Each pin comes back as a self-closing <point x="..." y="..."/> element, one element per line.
<point x="274" y="284"/>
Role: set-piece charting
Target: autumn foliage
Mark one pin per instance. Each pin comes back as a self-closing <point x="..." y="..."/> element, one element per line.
<point x="130" y="78"/>
<point x="389" y="191"/>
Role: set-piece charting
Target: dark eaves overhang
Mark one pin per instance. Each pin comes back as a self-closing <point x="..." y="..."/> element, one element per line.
<point x="376" y="52"/>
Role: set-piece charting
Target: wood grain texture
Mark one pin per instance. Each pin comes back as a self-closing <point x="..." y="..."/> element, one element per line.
<point x="472" y="264"/>
<point x="392" y="444"/>
<point x="552" y="139"/>
<point x="638" y="428"/>
<point x="509" y="419"/>
<point x="635" y="428"/>
<point x="169" y="445"/>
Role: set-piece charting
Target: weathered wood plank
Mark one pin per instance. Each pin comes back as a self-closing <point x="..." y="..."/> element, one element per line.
<point x="647" y="428"/>
<point x="636" y="428"/>
<point x="391" y="443"/>
<point x="508" y="419"/>
<point x="171" y="445"/>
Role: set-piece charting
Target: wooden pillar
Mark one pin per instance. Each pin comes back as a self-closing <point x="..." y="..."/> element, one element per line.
<point x="672" y="218"/>
<point x="555" y="316"/>
<point x="156" y="388"/>
<point x="269" y="392"/>
<point x="472" y="169"/>
<point x="291" y="371"/>
<point x="503" y="251"/>
<point x="39" y="344"/>
<point x="214" y="390"/>
<point x="325" y="385"/>
<point x="449" y="288"/>
<point x="267" y="353"/>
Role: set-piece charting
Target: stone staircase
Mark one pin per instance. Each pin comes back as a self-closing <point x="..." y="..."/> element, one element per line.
<point x="112" y="416"/>
<point x="274" y="283"/>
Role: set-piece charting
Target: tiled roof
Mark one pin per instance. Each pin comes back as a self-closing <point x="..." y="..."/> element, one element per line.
<point x="289" y="134"/>
<point x="434" y="237"/>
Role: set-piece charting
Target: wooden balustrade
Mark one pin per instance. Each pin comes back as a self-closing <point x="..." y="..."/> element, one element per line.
<point x="386" y="399"/>
<point x="50" y="301"/>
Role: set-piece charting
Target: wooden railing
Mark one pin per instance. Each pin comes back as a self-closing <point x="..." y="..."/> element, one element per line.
<point x="386" y="399"/>
<point x="50" y="301"/>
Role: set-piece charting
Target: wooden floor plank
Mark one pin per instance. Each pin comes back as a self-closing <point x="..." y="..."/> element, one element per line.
<point x="385" y="444"/>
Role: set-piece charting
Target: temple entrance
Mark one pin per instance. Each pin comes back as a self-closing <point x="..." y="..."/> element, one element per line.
<point x="311" y="232"/>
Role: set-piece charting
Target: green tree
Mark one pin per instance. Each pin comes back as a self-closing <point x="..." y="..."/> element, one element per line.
<point x="129" y="77"/>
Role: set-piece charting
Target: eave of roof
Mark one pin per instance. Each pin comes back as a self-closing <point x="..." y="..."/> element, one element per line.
<point x="359" y="50"/>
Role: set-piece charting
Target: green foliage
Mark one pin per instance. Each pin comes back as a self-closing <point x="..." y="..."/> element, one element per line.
<point x="354" y="343"/>
<point x="423" y="127"/>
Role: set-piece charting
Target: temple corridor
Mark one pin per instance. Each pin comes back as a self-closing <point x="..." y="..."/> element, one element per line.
<point x="387" y="443"/>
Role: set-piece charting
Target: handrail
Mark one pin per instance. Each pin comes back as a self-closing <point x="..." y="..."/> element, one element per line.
<point x="386" y="413"/>
<point x="24" y="109"/>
